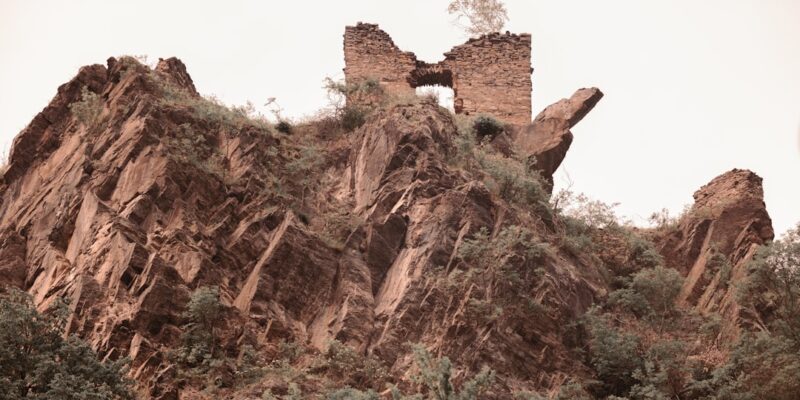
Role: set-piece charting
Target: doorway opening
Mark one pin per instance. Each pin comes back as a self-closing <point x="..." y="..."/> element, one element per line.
<point x="443" y="95"/>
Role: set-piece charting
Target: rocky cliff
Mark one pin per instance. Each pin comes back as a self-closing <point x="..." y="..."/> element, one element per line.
<point x="318" y="236"/>
<point x="713" y="241"/>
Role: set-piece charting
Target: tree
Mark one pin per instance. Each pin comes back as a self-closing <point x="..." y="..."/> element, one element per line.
<point x="614" y="353"/>
<point x="483" y="16"/>
<point x="36" y="361"/>
<point x="651" y="293"/>
<point x="773" y="285"/>
<point x="434" y="375"/>
<point x="202" y="314"/>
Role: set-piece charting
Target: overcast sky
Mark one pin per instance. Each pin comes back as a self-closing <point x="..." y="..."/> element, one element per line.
<point x="693" y="88"/>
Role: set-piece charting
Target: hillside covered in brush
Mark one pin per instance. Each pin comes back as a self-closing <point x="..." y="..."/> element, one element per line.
<point x="171" y="247"/>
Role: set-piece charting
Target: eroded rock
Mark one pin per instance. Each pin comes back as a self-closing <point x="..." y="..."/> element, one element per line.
<point x="548" y="137"/>
<point x="715" y="239"/>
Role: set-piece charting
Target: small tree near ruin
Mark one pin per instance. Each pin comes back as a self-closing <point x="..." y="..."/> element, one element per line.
<point x="483" y="16"/>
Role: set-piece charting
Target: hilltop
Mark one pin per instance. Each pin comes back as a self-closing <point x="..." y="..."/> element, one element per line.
<point x="229" y="257"/>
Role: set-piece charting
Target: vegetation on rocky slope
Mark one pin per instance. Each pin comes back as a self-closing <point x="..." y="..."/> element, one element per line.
<point x="38" y="362"/>
<point x="391" y="250"/>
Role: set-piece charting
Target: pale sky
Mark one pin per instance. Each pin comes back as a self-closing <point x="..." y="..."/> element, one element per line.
<point x="693" y="88"/>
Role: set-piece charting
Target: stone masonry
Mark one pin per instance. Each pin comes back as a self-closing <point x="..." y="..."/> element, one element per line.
<point x="488" y="75"/>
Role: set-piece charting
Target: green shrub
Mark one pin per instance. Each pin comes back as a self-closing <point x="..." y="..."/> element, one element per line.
<point x="290" y="351"/>
<point x="487" y="127"/>
<point x="576" y="236"/>
<point x="248" y="367"/>
<point x="639" y="253"/>
<point x="352" y="394"/>
<point x="355" y="369"/>
<point x="662" y="220"/>
<point x="87" y="110"/>
<point x="482" y="311"/>
<point x="628" y="299"/>
<point x="578" y="217"/>
<point x="651" y="293"/>
<point x="37" y="362"/>
<point x="353" y="117"/>
<point x="718" y="264"/>
<point x="503" y="270"/>
<point x="433" y="375"/>
<point x="772" y="288"/>
<point x="593" y="213"/>
<point x="574" y="391"/>
<point x="302" y="169"/>
<point x="761" y="366"/>
<point x="614" y="354"/>
<point x="464" y="143"/>
<point x="352" y="103"/>
<point x="664" y="374"/>
<point x="294" y="392"/>
<point x="516" y="182"/>
<point x="203" y="313"/>
<point x="643" y="254"/>
<point x="211" y="109"/>
<point x="190" y="147"/>
<point x="284" y="126"/>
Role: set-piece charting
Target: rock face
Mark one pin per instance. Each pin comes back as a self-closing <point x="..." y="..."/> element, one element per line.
<point x="110" y="218"/>
<point x="418" y="217"/>
<point x="126" y="216"/>
<point x="714" y="240"/>
<point x="162" y="192"/>
<point x="489" y="75"/>
<point x="548" y="138"/>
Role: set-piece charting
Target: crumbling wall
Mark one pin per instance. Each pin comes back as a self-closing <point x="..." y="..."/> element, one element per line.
<point x="369" y="53"/>
<point x="492" y="75"/>
<point x="488" y="75"/>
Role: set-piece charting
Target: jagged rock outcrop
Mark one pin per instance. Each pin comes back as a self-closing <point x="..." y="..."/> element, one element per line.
<point x="174" y="70"/>
<point x="418" y="212"/>
<point x="548" y="137"/>
<point x="715" y="239"/>
<point x="126" y="216"/>
<point x="109" y="218"/>
<point x="163" y="192"/>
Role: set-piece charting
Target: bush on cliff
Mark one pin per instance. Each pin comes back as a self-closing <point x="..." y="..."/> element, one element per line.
<point x="773" y="285"/>
<point x="284" y="126"/>
<point x="651" y="293"/>
<point x="36" y="361"/>
<point x="198" y="351"/>
<point x="765" y="364"/>
<point x="363" y="97"/>
<point x="504" y="272"/>
<point x="433" y="376"/>
<point x="87" y="109"/>
<point x="614" y="354"/>
<point x="211" y="109"/>
<point x="486" y="127"/>
<point x="355" y="369"/>
<point x="515" y="181"/>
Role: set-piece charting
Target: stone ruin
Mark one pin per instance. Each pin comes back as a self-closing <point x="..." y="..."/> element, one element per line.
<point x="488" y="75"/>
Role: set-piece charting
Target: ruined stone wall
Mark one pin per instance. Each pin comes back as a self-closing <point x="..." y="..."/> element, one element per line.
<point x="492" y="75"/>
<point x="369" y="53"/>
<point x="489" y="75"/>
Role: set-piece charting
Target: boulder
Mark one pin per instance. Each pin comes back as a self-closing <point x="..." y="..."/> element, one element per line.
<point x="546" y="140"/>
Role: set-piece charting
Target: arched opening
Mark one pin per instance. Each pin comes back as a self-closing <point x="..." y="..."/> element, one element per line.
<point x="431" y="74"/>
<point x="434" y="80"/>
<point x="444" y="95"/>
